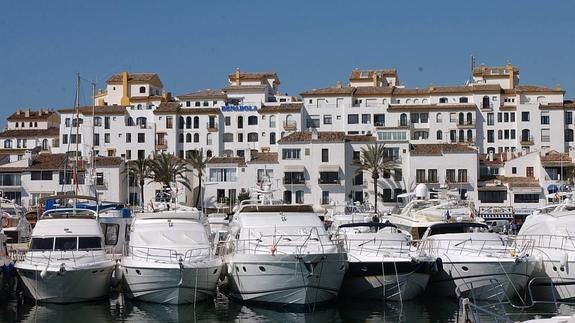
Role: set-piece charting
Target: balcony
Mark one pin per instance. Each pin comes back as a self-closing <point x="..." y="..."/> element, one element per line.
<point x="527" y="141"/>
<point x="293" y="181"/>
<point x="212" y="127"/>
<point x="468" y="124"/>
<point x="162" y="145"/>
<point x="379" y="124"/>
<point x="487" y="106"/>
<point x="290" y="125"/>
<point x="328" y="181"/>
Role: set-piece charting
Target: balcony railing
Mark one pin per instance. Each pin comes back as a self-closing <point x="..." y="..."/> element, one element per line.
<point x="328" y="181"/>
<point x="294" y="181"/>
<point x="527" y="140"/>
<point x="379" y="124"/>
<point x="466" y="124"/>
<point x="290" y="125"/>
<point x="212" y="127"/>
<point x="487" y="106"/>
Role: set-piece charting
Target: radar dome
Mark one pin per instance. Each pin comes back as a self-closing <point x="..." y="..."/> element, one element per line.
<point x="421" y="191"/>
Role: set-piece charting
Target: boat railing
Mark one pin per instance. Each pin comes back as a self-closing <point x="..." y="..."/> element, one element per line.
<point x="283" y="243"/>
<point x="475" y="247"/>
<point x="77" y="257"/>
<point x="548" y="241"/>
<point x="166" y="255"/>
<point x="375" y="246"/>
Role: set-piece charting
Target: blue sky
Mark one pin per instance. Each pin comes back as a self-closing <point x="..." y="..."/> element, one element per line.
<point x="310" y="44"/>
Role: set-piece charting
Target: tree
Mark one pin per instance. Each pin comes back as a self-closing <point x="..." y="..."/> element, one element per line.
<point x="140" y="171"/>
<point x="375" y="161"/>
<point x="199" y="164"/>
<point x="167" y="168"/>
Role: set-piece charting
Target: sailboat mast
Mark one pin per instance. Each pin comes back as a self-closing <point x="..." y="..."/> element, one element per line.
<point x="77" y="106"/>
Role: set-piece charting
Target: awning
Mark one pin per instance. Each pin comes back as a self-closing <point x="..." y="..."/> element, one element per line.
<point x="527" y="190"/>
<point x="328" y="168"/>
<point x="294" y="168"/>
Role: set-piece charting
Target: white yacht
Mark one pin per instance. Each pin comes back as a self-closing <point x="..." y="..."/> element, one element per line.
<point x="475" y="262"/>
<point x="66" y="261"/>
<point x="14" y="223"/>
<point x="423" y="211"/>
<point x="171" y="257"/>
<point x="551" y="231"/>
<point x="381" y="265"/>
<point x="278" y="253"/>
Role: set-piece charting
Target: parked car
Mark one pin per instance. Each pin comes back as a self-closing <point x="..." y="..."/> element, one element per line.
<point x="498" y="226"/>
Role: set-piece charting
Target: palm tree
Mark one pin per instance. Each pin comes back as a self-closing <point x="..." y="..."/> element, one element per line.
<point x="140" y="171"/>
<point x="199" y="163"/>
<point x="374" y="160"/>
<point x="167" y="168"/>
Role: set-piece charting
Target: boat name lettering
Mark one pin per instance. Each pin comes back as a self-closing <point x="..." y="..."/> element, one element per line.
<point x="227" y="108"/>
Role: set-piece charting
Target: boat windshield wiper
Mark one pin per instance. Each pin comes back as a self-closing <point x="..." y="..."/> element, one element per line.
<point x="457" y="244"/>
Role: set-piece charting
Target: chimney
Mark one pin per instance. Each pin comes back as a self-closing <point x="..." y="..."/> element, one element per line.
<point x="18" y="112"/>
<point x="125" y="94"/>
<point x="490" y="156"/>
<point x="27" y="113"/>
<point x="509" y="155"/>
<point x="40" y="112"/>
<point x="339" y="85"/>
<point x="374" y="78"/>
<point x="238" y="82"/>
<point x="314" y="134"/>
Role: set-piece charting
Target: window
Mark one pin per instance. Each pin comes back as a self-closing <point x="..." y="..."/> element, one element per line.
<point x="196" y="137"/>
<point x="525" y="116"/>
<point x="513" y="170"/>
<point x="252" y="120"/>
<point x="365" y="118"/>
<point x="222" y="175"/>
<point x="98" y="121"/>
<point x="439" y="135"/>
<point x="462" y="175"/>
<point x="64" y="141"/>
<point x="452" y="117"/>
<point x="45" y="144"/>
<point x="568" y="135"/>
<point x="327" y="119"/>
<point x="287" y="197"/>
<point x="197" y="104"/>
<point x="432" y="176"/>
<point x="512" y="133"/>
<point x="142" y="89"/>
<point x="386" y="195"/>
<point x="107" y="138"/>
<point x="568" y="117"/>
<point x="452" y="135"/>
<point x="111" y="233"/>
<point x="450" y="175"/>
<point x="196" y="122"/>
<point x="492" y="196"/>
<point x="228" y="137"/>
<point x="463" y="99"/>
<point x="379" y="120"/>
<point x="272" y="121"/>
<point x="66" y="122"/>
<point x="265" y="174"/>
<point x="253" y="137"/>
<point x="485" y="104"/>
<point x="490" y="135"/>
<point x="545" y="135"/>
<point x="439" y="117"/>
<point x="526" y="198"/>
<point x="529" y="171"/>
<point x="506" y="117"/>
<point x="188" y="137"/>
<point x="312" y="122"/>
<point x="169" y="122"/>
<point x="325" y="197"/>
<point x="420" y="175"/>
<point x="106" y="122"/>
<point x="100" y="179"/>
<point x="512" y="116"/>
<point x="420" y="135"/>
<point x="499" y="117"/>
<point x="42" y="244"/>
<point x="205" y="103"/>
<point x="324" y="155"/>
<point x="291" y="153"/>
<point x="227" y="120"/>
<point x="500" y="134"/>
<point x="240" y="122"/>
<point x="403" y="120"/>
<point x="356" y="155"/>
<point x="76" y="139"/>
<point x="443" y="100"/>
<point x="8" y="142"/>
<point x="544" y="117"/>
<point x="41" y="175"/>
<point x="490" y="119"/>
<point x="353" y="119"/>
<point x="141" y="138"/>
<point x="299" y="197"/>
<point x="141" y="154"/>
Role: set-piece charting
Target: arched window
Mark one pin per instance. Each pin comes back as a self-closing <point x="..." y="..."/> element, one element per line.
<point x="188" y="122"/>
<point x="129" y="121"/>
<point x="181" y="139"/>
<point x="141" y="121"/>
<point x="98" y="121"/>
<point x="443" y="100"/>
<point x="189" y="137"/>
<point x="491" y="150"/>
<point x="208" y="153"/>
<point x="272" y="138"/>
<point x="45" y="144"/>
<point x="139" y="107"/>
<point x="469" y="118"/>
<point x="439" y="117"/>
<point x="8" y="143"/>
<point x="196" y="137"/>
<point x="189" y="154"/>
<point x="541" y="99"/>
<point x="485" y="104"/>
<point x="424" y="101"/>
<point x="461" y="135"/>
<point x="403" y="120"/>
<point x="287" y="197"/>
<point x="272" y="121"/>
<point x="196" y="122"/>
<point x="525" y="135"/>
<point x="469" y="135"/>
<point x="253" y="137"/>
<point x="240" y="122"/>
<point x="299" y="197"/>
<point x="463" y="99"/>
<point x="439" y="135"/>
<point x="415" y="101"/>
<point x="142" y="89"/>
<point x="252" y="120"/>
<point x="181" y="123"/>
<point x="461" y="118"/>
<point x="209" y="139"/>
<point x="407" y="101"/>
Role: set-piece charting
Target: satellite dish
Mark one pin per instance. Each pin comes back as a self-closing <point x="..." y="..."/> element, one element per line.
<point x="421" y="191"/>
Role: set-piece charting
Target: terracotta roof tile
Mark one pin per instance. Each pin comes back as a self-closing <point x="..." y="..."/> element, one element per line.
<point x="253" y="76"/>
<point x="407" y="91"/>
<point x="360" y="138"/>
<point x="283" y="107"/>
<point x="132" y="77"/>
<point x="27" y="133"/>
<point x="368" y="74"/>
<point x="373" y="91"/>
<point x="98" y="110"/>
<point x="305" y="136"/>
<point x="519" y="181"/>
<point x="344" y="90"/>
<point x="29" y="115"/>
<point x="240" y="161"/>
<point x="260" y="157"/>
<point x="439" y="149"/>
<point x="486" y="70"/>
<point x="234" y="88"/>
<point x="460" y="106"/>
<point x="204" y="94"/>
<point x="537" y="89"/>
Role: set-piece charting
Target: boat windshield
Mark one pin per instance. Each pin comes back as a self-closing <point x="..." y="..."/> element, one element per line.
<point x="65" y="243"/>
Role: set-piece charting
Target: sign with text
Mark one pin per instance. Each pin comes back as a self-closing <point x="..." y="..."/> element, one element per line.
<point x="230" y="108"/>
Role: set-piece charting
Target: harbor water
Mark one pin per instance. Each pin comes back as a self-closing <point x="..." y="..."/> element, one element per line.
<point x="119" y="308"/>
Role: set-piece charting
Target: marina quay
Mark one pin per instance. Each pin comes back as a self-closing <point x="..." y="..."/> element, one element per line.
<point x="504" y="146"/>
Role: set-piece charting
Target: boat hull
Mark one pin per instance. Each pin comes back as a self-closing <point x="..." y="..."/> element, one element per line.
<point x="71" y="286"/>
<point x="171" y="284"/>
<point x="399" y="281"/>
<point x="482" y="279"/>
<point x="553" y="281"/>
<point x="285" y="279"/>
